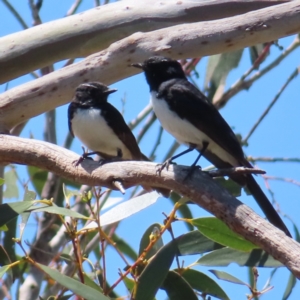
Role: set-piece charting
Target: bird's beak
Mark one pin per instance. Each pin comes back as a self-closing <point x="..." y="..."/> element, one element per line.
<point x="138" y="65"/>
<point x="110" y="91"/>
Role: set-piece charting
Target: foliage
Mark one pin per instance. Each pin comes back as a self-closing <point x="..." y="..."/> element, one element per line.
<point x="78" y="225"/>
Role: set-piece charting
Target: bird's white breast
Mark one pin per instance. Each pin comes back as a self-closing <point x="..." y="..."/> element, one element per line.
<point x="184" y="131"/>
<point x="92" y="130"/>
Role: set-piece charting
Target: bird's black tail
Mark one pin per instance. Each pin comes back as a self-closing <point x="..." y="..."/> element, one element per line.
<point x="265" y="204"/>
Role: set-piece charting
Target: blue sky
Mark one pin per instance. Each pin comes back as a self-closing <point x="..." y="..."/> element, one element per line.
<point x="277" y="136"/>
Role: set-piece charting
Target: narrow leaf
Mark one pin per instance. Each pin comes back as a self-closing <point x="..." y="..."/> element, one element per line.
<point x="28" y="196"/>
<point x="9" y="211"/>
<point x="145" y="240"/>
<point x="227" y="277"/>
<point x="4" y="270"/>
<point x="38" y="178"/>
<point x="125" y="210"/>
<point x="226" y="256"/>
<point x="219" y="232"/>
<point x="75" y="286"/>
<point x="195" y="242"/>
<point x="11" y="187"/>
<point x="177" y="288"/>
<point x="155" y="272"/>
<point x="60" y="211"/>
<point x="201" y="282"/>
<point x="289" y="288"/>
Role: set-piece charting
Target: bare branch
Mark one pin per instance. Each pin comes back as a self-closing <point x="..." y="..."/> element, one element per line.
<point x="290" y="78"/>
<point x="201" y="189"/>
<point x="237" y="170"/>
<point x="113" y="64"/>
<point x="97" y="28"/>
<point x="273" y="159"/>
<point x="243" y="84"/>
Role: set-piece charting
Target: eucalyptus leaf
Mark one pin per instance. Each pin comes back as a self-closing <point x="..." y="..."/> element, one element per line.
<point x="203" y="283"/>
<point x="218" y="231"/>
<point x="75" y="286"/>
<point x="228" y="277"/>
<point x="155" y="272"/>
<point x="177" y="288"/>
<point x="226" y="256"/>
<point x="125" y="209"/>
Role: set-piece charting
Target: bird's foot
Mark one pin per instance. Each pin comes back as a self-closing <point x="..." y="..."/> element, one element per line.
<point x="166" y="164"/>
<point x="191" y="170"/>
<point x="77" y="162"/>
<point x="85" y="155"/>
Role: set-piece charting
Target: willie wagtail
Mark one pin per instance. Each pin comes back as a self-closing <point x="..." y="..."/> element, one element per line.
<point x="193" y="120"/>
<point x="101" y="127"/>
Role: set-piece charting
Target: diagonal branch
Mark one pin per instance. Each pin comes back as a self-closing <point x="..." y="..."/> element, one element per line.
<point x="201" y="189"/>
<point x="95" y="29"/>
<point x="113" y="64"/>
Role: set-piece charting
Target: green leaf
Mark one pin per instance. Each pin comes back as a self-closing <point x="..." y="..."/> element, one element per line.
<point x="91" y="283"/>
<point x="3" y="228"/>
<point x="11" y="187"/>
<point x="195" y="242"/>
<point x="4" y="270"/>
<point x="1" y="181"/>
<point x="124" y="247"/>
<point x="75" y="286"/>
<point x="232" y="187"/>
<point x="153" y="229"/>
<point x="125" y="209"/>
<point x="201" y="282"/>
<point x="129" y="283"/>
<point x="219" y="232"/>
<point x="226" y="256"/>
<point x="289" y="288"/>
<point x="38" y="178"/>
<point x="9" y="211"/>
<point x="177" y="288"/>
<point x="155" y="272"/>
<point x="59" y="211"/>
<point x="227" y="277"/>
<point x="28" y="196"/>
<point x="218" y="68"/>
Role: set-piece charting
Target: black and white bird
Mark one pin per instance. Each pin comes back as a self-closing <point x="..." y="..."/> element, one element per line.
<point x="101" y="127"/>
<point x="186" y="113"/>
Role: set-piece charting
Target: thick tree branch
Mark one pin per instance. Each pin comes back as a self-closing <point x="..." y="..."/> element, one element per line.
<point x="113" y="64"/>
<point x="201" y="189"/>
<point x="94" y="30"/>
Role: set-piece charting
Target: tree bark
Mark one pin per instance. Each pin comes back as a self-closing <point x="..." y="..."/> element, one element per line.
<point x="95" y="29"/>
<point x="113" y="64"/>
<point x="201" y="189"/>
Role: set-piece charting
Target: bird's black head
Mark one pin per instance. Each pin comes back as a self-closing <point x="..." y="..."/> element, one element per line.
<point x="92" y="93"/>
<point x="159" y="69"/>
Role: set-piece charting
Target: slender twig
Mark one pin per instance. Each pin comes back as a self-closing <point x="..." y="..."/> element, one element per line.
<point x="273" y="159"/>
<point x="237" y="170"/>
<point x="246" y="84"/>
<point x="15" y="13"/>
<point x="149" y="122"/>
<point x="140" y="117"/>
<point x="73" y="8"/>
<point x="290" y="78"/>
<point x="97" y="3"/>
<point x="35" y="13"/>
<point x="157" y="143"/>
<point x="289" y="180"/>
